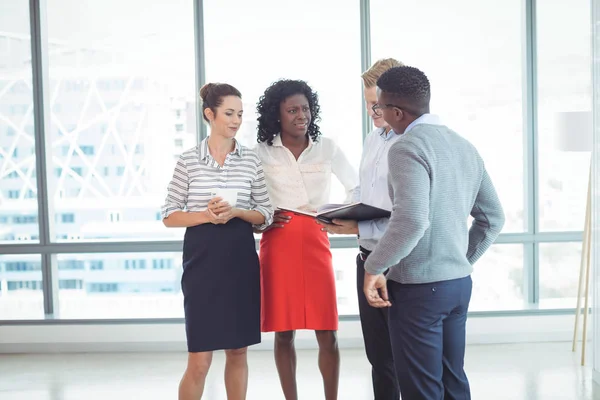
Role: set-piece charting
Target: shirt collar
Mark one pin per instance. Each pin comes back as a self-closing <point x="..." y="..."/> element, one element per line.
<point x="205" y="154"/>
<point x="384" y="135"/>
<point x="430" y="119"/>
<point x="278" y="143"/>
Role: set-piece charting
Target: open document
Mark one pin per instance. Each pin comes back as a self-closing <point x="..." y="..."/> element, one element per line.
<point x="353" y="211"/>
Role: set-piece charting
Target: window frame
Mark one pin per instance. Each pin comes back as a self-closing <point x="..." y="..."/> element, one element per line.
<point x="48" y="248"/>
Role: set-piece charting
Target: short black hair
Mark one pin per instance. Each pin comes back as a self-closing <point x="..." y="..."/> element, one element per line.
<point x="409" y="84"/>
<point x="269" y="113"/>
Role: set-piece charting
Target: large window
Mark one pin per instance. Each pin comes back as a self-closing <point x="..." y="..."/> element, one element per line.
<point x="564" y="81"/>
<point x="498" y="279"/>
<point x="122" y="102"/>
<point x="564" y="84"/>
<point x="559" y="273"/>
<point x="18" y="182"/>
<point x="21" y="287"/>
<point x="253" y="44"/>
<point x="122" y="105"/>
<point x="344" y="267"/>
<point x="471" y="51"/>
<point x="120" y="285"/>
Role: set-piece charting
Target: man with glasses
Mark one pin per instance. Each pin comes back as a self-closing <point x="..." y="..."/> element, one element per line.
<point x="436" y="179"/>
<point x="373" y="190"/>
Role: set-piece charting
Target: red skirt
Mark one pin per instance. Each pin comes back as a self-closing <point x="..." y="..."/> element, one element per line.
<point x="297" y="279"/>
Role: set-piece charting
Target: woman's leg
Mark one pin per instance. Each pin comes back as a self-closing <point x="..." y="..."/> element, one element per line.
<point x="329" y="362"/>
<point x="285" y="359"/>
<point x="192" y="383"/>
<point x="236" y="373"/>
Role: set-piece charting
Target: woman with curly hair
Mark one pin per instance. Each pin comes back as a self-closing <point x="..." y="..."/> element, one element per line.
<point x="298" y="283"/>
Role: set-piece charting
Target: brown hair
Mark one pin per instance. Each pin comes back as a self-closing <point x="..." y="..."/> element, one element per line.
<point x="371" y="75"/>
<point x="212" y="95"/>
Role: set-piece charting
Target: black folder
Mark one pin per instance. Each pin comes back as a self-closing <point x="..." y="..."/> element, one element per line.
<point x="354" y="211"/>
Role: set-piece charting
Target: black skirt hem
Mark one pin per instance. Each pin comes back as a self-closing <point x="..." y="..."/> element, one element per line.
<point x="241" y="345"/>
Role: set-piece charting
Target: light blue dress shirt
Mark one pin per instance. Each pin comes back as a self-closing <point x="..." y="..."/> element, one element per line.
<point x="373" y="188"/>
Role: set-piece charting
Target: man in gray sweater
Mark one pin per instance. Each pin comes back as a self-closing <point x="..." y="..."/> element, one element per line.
<point x="421" y="267"/>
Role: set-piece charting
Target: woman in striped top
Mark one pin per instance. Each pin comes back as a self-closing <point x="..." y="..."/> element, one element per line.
<point x="221" y="275"/>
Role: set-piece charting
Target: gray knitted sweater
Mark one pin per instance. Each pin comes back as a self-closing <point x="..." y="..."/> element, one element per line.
<point x="436" y="180"/>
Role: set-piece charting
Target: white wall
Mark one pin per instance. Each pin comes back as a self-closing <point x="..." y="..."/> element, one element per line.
<point x="595" y="274"/>
<point x="171" y="337"/>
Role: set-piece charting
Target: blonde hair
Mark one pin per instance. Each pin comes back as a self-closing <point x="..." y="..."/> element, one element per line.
<point x="371" y="75"/>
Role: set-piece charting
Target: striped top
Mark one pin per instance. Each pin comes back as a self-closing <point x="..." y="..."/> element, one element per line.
<point x="436" y="180"/>
<point x="197" y="175"/>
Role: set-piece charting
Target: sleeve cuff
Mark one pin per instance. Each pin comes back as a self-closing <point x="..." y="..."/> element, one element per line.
<point x="168" y="210"/>
<point x="268" y="218"/>
<point x="372" y="269"/>
<point x="363" y="229"/>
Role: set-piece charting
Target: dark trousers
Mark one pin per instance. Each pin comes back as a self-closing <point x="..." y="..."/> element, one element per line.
<point x="427" y="329"/>
<point x="376" y="336"/>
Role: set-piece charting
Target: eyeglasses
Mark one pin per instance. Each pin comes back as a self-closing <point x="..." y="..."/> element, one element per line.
<point x="377" y="109"/>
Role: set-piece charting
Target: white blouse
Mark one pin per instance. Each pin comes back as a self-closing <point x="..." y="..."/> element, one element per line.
<point x="305" y="183"/>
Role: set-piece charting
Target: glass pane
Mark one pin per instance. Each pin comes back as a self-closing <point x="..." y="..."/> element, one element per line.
<point x="121" y="285"/>
<point x="564" y="85"/>
<point x="559" y="274"/>
<point x="471" y="50"/>
<point x="18" y="190"/>
<point x="272" y="43"/>
<point x="498" y="279"/>
<point x="21" y="293"/>
<point x="123" y="108"/>
<point x="148" y="285"/>
<point x="344" y="266"/>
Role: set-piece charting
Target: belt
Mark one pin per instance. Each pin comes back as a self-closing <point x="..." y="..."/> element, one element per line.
<point x="364" y="253"/>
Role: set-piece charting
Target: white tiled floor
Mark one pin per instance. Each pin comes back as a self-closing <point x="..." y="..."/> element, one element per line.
<point x="507" y="372"/>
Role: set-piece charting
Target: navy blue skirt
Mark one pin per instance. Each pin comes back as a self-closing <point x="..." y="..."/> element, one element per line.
<point x="221" y="287"/>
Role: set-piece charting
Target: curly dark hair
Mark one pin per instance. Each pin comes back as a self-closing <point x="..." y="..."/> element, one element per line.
<point x="407" y="83"/>
<point x="269" y="114"/>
